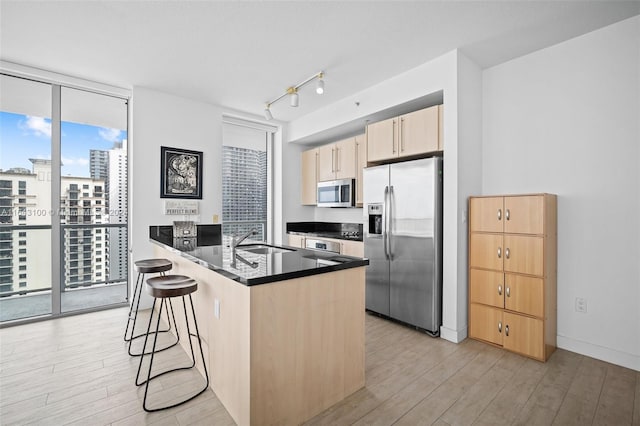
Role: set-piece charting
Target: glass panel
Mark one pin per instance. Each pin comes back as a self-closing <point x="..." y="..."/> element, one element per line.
<point x="244" y="182"/>
<point x="25" y="198"/>
<point x="93" y="193"/>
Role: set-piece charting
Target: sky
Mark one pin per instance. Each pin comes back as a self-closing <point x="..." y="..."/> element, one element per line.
<point x="23" y="137"/>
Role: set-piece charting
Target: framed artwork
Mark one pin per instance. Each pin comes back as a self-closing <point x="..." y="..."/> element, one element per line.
<point x="180" y="173"/>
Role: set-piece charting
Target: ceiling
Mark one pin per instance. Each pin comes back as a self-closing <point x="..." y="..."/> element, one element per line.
<point x="243" y="54"/>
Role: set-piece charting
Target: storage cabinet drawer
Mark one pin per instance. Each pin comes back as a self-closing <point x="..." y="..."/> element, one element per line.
<point x="523" y="335"/>
<point x="485" y="323"/>
<point x="486" y="214"/>
<point x="524" y="294"/>
<point x="486" y="287"/>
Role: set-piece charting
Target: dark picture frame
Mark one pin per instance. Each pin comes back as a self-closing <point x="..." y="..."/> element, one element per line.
<point x="180" y="173"/>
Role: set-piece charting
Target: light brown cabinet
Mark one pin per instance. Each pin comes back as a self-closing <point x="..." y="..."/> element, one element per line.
<point x="296" y="240"/>
<point x="361" y="163"/>
<point x="512" y="272"/>
<point x="407" y="135"/>
<point x="309" y="174"/>
<point x="337" y="160"/>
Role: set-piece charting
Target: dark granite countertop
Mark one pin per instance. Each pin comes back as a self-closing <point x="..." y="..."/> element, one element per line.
<point x="253" y="268"/>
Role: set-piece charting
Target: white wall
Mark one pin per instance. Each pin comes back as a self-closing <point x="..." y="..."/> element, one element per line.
<point x="565" y="120"/>
<point x="158" y="120"/>
<point x="440" y="74"/>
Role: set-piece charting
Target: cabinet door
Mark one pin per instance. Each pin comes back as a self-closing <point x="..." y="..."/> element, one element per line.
<point x="524" y="214"/>
<point x="486" y="214"/>
<point x="524" y="294"/>
<point x="523" y="335"/>
<point x="485" y="323"/>
<point x="326" y="163"/>
<point x="440" y="128"/>
<point x="296" y="240"/>
<point x="309" y="177"/>
<point x="361" y="163"/>
<point x="352" y="248"/>
<point x="486" y="251"/>
<point x="419" y="132"/>
<point x="524" y="254"/>
<point x="486" y="287"/>
<point x="346" y="159"/>
<point x="381" y="140"/>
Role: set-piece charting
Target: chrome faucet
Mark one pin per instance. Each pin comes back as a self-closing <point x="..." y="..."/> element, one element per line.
<point x="236" y="242"/>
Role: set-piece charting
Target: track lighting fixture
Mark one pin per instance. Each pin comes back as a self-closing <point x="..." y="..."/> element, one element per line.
<point x="294" y="98"/>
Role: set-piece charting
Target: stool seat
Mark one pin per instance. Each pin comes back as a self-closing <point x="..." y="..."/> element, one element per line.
<point x="150" y="266"/>
<point x="170" y="286"/>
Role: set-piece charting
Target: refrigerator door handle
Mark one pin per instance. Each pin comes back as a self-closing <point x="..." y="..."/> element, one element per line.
<point x="390" y="219"/>
<point x="384" y="222"/>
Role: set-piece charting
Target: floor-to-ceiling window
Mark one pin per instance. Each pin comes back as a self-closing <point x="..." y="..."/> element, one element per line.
<point x="63" y="199"/>
<point x="246" y="179"/>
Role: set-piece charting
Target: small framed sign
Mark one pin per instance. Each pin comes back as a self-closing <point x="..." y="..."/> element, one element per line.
<point x="180" y="173"/>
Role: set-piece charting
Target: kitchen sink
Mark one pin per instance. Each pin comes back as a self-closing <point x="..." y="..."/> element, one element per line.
<point x="262" y="249"/>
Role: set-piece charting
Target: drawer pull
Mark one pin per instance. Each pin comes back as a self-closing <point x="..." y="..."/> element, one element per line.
<point x="507" y="214"/>
<point x="499" y="214"/>
<point x="506" y="330"/>
<point x="508" y="292"/>
<point x="499" y="252"/>
<point x="500" y="290"/>
<point x="499" y="326"/>
<point x="506" y="252"/>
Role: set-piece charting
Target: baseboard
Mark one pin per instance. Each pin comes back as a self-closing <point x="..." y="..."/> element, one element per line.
<point x="602" y="353"/>
<point x="455" y="336"/>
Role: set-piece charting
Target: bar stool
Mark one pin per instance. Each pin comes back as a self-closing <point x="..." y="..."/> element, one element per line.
<point x="165" y="288"/>
<point x="142" y="267"/>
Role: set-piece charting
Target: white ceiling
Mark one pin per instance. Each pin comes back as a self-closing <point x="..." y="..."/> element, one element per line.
<point x="243" y="54"/>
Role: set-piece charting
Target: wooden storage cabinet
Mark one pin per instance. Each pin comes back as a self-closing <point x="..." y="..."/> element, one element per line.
<point x="309" y="174"/>
<point x="361" y="163"/>
<point x="407" y="135"/>
<point x="512" y="272"/>
<point x="337" y="160"/>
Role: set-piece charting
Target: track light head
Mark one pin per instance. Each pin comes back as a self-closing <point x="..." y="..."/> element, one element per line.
<point x="320" y="87"/>
<point x="293" y="96"/>
<point x="267" y="113"/>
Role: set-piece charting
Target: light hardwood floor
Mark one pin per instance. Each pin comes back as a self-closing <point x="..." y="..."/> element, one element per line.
<point x="75" y="370"/>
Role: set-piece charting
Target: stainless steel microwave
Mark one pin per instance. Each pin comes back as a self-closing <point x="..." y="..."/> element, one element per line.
<point x="337" y="193"/>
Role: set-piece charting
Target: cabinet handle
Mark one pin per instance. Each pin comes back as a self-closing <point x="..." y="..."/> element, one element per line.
<point x="506" y="330"/>
<point x="500" y="290"/>
<point x="507" y="214"/>
<point x="499" y="252"/>
<point x="402" y="135"/>
<point x="333" y="154"/>
<point x="499" y="214"/>
<point x="506" y="252"/>
<point x="499" y="326"/>
<point x="337" y="159"/>
<point x="508" y="291"/>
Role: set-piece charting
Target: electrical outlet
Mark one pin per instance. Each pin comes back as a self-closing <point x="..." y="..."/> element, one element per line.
<point x="581" y="305"/>
<point x="216" y="308"/>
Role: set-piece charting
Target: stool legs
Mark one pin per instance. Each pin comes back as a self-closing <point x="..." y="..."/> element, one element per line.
<point x="153" y="351"/>
<point x="137" y="292"/>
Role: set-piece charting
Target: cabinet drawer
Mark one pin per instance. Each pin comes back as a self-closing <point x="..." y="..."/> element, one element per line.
<point x="486" y="214"/>
<point x="523" y="335"/>
<point x="524" y="294"/>
<point x="486" y="287"/>
<point x="485" y="323"/>
<point x="486" y="251"/>
<point x="524" y="254"/>
<point x="524" y="214"/>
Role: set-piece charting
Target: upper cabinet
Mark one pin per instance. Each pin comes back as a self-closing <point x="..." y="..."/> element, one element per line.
<point x="309" y="175"/>
<point x="337" y="160"/>
<point x="407" y="135"/>
<point x="361" y="163"/>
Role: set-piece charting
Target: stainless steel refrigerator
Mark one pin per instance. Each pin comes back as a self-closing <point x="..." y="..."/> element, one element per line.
<point x="403" y="241"/>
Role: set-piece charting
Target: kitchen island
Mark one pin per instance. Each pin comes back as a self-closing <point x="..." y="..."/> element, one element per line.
<point x="283" y="331"/>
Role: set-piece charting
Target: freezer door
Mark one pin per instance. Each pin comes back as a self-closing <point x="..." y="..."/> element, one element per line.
<point x="415" y="243"/>
<point x="375" y="180"/>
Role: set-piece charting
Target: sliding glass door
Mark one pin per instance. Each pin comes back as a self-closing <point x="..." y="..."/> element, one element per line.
<point x="64" y="176"/>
